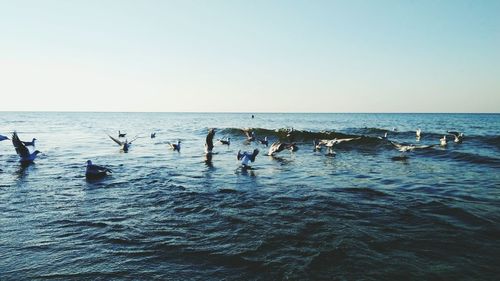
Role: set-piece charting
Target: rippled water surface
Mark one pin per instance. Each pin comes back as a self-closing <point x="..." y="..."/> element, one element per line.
<point x="166" y="215"/>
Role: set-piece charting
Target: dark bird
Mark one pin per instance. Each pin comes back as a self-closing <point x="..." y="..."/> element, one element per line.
<point x="225" y="141"/>
<point x="120" y="135"/>
<point x="264" y="141"/>
<point x="30" y="143"/>
<point x="23" y="151"/>
<point x="209" y="141"/>
<point x="153" y="135"/>
<point x="95" y="171"/>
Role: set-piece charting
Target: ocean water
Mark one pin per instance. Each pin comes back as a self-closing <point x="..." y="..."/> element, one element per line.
<point x="164" y="215"/>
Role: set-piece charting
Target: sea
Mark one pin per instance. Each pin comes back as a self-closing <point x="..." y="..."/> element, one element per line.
<point x="369" y="212"/>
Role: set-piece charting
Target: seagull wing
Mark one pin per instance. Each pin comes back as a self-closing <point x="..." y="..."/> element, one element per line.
<point x="344" y="140"/>
<point x="117" y="141"/>
<point x="21" y="149"/>
<point x="455" y="133"/>
<point x="254" y="154"/>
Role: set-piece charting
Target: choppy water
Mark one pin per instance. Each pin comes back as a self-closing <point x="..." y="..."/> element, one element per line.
<point x="168" y="215"/>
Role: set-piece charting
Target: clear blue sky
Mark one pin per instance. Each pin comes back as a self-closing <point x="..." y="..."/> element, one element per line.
<point x="273" y="56"/>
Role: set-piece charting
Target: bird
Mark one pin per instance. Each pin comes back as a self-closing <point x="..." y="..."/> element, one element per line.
<point x="317" y="145"/>
<point x="2" y="138"/>
<point x="250" y="134"/>
<point x="30" y="143"/>
<point x="225" y="141"/>
<point x="95" y="171"/>
<point x="175" y="146"/>
<point x="418" y="133"/>
<point x="458" y="136"/>
<point x="276" y="147"/>
<point x="442" y="141"/>
<point x="209" y="141"/>
<point x="120" y="135"/>
<point x="23" y="151"/>
<point x="331" y="143"/>
<point x="292" y="147"/>
<point x="264" y="141"/>
<point x="407" y="148"/>
<point x="123" y="144"/>
<point x="153" y="135"/>
<point x="384" y="137"/>
<point x="247" y="157"/>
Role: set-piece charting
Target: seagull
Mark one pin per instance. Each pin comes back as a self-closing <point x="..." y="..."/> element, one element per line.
<point x="442" y="141"/>
<point x="95" y="171"/>
<point x="418" y="133"/>
<point x="317" y="145"/>
<point x="124" y="144"/>
<point x="22" y="150"/>
<point x="2" y="138"/>
<point x="407" y="148"/>
<point x="264" y="141"/>
<point x="292" y="147"/>
<point x="153" y="135"/>
<point x="120" y="135"/>
<point x="175" y="146"/>
<point x="209" y="141"/>
<point x="225" y="141"/>
<point x="250" y="135"/>
<point x="384" y="137"/>
<point x="247" y="157"/>
<point x="458" y="136"/>
<point x="331" y="143"/>
<point x="276" y="147"/>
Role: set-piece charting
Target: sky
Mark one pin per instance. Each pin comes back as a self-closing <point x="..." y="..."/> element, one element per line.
<point x="250" y="56"/>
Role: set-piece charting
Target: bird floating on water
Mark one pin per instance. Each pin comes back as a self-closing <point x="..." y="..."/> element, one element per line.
<point x="442" y="141"/>
<point x="418" y="133"/>
<point x="175" y="146"/>
<point x="124" y="145"/>
<point x="264" y="141"/>
<point x="247" y="157"/>
<point x="95" y="171"/>
<point x="121" y="135"/>
<point x="225" y="141"/>
<point x="153" y="135"/>
<point x="383" y="137"/>
<point x="458" y="136"/>
<point x="22" y="150"/>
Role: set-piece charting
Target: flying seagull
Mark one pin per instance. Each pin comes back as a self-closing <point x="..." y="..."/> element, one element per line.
<point x="95" y="171"/>
<point x="331" y="143"/>
<point x="250" y="134"/>
<point x="247" y="157"/>
<point x="23" y="151"/>
<point x="123" y="144"/>
<point x="458" y="136"/>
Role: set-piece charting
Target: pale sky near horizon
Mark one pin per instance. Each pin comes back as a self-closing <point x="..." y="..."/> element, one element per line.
<point x="250" y="56"/>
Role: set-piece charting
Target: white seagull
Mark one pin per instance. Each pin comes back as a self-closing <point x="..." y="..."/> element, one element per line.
<point x="442" y="141"/>
<point x="458" y="136"/>
<point x="247" y="157"/>
<point x="175" y="146"/>
<point x="276" y="147"/>
<point x="418" y="133"/>
<point x="22" y="150"/>
<point x="95" y="171"/>
<point x="331" y="143"/>
<point x="124" y="145"/>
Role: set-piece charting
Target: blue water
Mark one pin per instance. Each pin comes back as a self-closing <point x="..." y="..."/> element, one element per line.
<point x="165" y="215"/>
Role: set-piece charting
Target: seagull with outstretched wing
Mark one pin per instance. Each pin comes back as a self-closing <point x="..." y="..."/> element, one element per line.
<point x="22" y="150"/>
